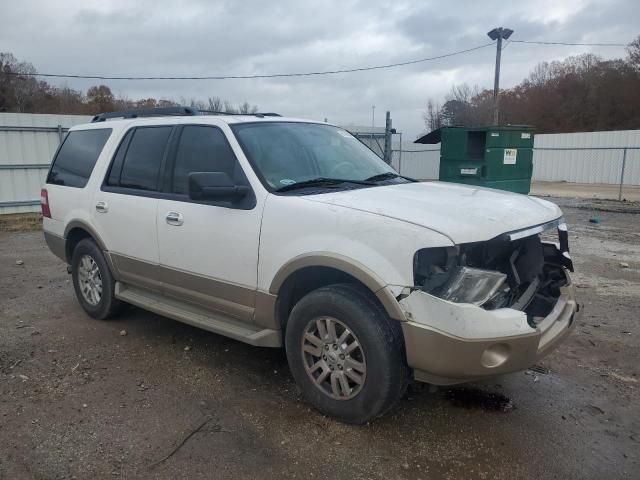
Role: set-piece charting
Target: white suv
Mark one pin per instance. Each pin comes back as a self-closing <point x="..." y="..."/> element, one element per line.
<point x="284" y="232"/>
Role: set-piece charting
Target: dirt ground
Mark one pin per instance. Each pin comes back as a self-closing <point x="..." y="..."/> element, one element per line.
<point x="603" y="191"/>
<point x="80" y="400"/>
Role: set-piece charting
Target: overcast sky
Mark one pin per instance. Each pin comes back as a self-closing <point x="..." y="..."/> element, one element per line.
<point x="174" y="38"/>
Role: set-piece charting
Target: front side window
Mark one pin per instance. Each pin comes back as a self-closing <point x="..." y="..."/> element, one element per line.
<point x="77" y="156"/>
<point x="141" y="163"/>
<point x="291" y="153"/>
<point x="202" y="149"/>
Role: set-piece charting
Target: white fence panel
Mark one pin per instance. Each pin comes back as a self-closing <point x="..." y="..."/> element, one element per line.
<point x="417" y="161"/>
<point x="27" y="145"/>
<point x="29" y="141"/>
<point x="587" y="157"/>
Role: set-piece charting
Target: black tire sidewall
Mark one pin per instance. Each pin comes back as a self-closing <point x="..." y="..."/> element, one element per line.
<point x="380" y="345"/>
<point x="104" y="308"/>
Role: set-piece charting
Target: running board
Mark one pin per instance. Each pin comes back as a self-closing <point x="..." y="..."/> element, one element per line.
<point x="197" y="316"/>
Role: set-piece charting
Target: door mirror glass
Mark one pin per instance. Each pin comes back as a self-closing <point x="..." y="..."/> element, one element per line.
<point x="215" y="186"/>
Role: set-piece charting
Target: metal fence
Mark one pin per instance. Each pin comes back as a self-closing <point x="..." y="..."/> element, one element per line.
<point x="603" y="165"/>
<point x="416" y="161"/>
<point x="617" y="165"/>
<point x="28" y="142"/>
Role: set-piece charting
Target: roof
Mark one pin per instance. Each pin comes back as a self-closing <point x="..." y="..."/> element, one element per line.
<point x="435" y="136"/>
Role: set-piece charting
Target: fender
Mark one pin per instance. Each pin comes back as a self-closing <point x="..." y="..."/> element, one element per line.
<point x="91" y="231"/>
<point x="344" y="264"/>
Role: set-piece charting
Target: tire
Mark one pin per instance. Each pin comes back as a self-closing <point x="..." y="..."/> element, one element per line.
<point x="381" y="352"/>
<point x="86" y="252"/>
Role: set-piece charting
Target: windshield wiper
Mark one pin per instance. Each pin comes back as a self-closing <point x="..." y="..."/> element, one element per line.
<point x="387" y="176"/>
<point x="321" y="182"/>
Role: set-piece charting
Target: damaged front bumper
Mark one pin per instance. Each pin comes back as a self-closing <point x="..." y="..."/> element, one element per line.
<point x="449" y="343"/>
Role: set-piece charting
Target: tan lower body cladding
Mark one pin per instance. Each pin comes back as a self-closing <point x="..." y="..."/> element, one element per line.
<point x="240" y="303"/>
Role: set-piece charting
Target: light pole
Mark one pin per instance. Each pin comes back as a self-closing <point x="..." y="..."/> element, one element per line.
<point x="499" y="34"/>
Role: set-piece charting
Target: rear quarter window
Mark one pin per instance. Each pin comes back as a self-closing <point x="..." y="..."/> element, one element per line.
<point x="74" y="162"/>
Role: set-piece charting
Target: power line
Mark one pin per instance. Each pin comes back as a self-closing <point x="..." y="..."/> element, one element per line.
<point x="567" y="43"/>
<point x="305" y="74"/>
<point x="271" y="75"/>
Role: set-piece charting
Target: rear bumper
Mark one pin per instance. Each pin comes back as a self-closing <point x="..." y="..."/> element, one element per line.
<point x="57" y="245"/>
<point x="445" y="357"/>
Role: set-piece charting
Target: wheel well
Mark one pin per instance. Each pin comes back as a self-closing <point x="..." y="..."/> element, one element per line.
<point x="305" y="280"/>
<point x="74" y="237"/>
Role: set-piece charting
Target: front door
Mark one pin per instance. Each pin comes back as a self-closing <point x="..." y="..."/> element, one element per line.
<point x="208" y="250"/>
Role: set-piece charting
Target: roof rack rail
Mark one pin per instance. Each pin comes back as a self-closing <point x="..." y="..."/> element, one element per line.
<point x="169" y="111"/>
<point x="147" y="112"/>
<point x="255" y="114"/>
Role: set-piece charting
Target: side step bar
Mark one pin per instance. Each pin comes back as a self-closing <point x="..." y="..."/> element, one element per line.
<point x="196" y="316"/>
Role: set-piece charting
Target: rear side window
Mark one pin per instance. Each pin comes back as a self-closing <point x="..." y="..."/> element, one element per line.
<point x="140" y="165"/>
<point x="77" y="156"/>
<point x="202" y="149"/>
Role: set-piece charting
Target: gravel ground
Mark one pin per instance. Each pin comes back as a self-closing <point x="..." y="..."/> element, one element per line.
<point x="630" y="193"/>
<point x="143" y="396"/>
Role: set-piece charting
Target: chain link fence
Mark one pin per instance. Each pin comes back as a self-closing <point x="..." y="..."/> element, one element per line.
<point x="591" y="165"/>
<point x="615" y="166"/>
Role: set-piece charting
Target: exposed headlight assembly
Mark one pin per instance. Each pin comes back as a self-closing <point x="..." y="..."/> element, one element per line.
<point x="472" y="285"/>
<point x="440" y="272"/>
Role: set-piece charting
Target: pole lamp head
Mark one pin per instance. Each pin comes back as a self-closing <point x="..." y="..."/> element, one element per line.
<point x="500" y="32"/>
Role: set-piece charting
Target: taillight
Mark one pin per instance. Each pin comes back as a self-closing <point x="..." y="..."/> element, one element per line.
<point x="44" y="203"/>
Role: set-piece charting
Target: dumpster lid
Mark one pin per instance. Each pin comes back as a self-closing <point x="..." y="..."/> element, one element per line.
<point x="435" y="136"/>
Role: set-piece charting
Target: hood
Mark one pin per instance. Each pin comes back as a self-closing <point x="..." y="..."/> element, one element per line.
<point x="461" y="212"/>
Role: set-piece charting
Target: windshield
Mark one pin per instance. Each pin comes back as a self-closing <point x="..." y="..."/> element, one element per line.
<point x="288" y="153"/>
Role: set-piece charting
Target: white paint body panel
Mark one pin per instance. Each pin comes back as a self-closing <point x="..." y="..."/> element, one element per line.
<point x="462" y="213"/>
<point x="464" y="320"/>
<point x="301" y="225"/>
<point x="129" y="226"/>
<point x="215" y="242"/>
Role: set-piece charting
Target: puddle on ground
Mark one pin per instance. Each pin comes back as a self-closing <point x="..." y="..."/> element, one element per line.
<point x="466" y="397"/>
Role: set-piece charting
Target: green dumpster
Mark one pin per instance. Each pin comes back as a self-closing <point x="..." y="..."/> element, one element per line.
<point x="494" y="157"/>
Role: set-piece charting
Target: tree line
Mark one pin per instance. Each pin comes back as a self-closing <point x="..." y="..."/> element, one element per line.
<point x="580" y="93"/>
<point x="21" y="91"/>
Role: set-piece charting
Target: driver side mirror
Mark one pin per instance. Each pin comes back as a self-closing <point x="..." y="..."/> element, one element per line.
<point x="215" y="186"/>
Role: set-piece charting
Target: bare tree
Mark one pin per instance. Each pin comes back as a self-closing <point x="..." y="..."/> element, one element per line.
<point x="633" y="49"/>
<point x="197" y="104"/>
<point x="228" y="107"/>
<point x="433" y="116"/>
<point x="216" y="104"/>
<point x="20" y="91"/>
<point x="245" y="108"/>
<point x="101" y="98"/>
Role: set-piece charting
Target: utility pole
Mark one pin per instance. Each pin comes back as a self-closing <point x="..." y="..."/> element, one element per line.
<point x="373" y="122"/>
<point x="388" y="131"/>
<point x="498" y="34"/>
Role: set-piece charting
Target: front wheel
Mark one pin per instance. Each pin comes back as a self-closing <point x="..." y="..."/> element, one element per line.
<point x="345" y="353"/>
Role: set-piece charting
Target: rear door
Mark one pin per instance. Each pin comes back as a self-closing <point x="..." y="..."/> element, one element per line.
<point x="125" y="208"/>
<point x="208" y="250"/>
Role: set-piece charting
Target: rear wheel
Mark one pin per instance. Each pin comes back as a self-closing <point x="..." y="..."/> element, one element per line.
<point x="93" y="282"/>
<point x="346" y="354"/>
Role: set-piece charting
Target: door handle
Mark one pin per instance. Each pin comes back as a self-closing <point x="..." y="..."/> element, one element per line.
<point x="102" y="207"/>
<point x="174" y="218"/>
